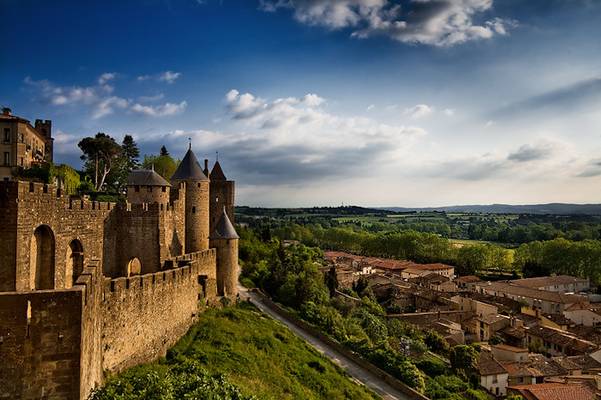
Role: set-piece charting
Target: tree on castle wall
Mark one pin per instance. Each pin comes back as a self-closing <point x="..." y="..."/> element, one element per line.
<point x="100" y="154"/>
<point x="127" y="161"/>
<point x="163" y="164"/>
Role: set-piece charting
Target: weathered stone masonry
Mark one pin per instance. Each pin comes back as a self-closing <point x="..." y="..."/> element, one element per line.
<point x="90" y="288"/>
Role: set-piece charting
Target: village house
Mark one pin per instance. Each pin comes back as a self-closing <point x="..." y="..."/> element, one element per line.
<point x="493" y="377"/>
<point x="435" y="282"/>
<point x="583" y="314"/>
<point x="547" y="301"/>
<point x="555" y="342"/>
<point x="558" y="283"/>
<point x="467" y="283"/>
<point x="553" y="391"/>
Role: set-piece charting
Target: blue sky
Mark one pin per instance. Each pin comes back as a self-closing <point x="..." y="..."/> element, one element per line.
<point x="315" y="102"/>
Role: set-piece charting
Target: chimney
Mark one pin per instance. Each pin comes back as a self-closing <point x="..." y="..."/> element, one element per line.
<point x="206" y="164"/>
<point x="6" y="111"/>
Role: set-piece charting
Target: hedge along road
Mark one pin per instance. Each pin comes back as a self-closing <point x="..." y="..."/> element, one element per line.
<point x="359" y="373"/>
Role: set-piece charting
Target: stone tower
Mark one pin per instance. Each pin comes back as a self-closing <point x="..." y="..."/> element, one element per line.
<point x="196" y="193"/>
<point x="222" y="195"/>
<point x="146" y="186"/>
<point x="45" y="128"/>
<point x="225" y="240"/>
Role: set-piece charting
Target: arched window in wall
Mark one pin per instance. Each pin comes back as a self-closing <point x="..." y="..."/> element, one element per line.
<point x="75" y="262"/>
<point x="41" y="258"/>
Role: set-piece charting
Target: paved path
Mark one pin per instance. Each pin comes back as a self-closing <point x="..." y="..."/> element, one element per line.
<point x="356" y="371"/>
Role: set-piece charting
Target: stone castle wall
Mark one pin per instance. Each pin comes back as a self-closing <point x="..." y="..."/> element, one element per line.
<point x="59" y="343"/>
<point x="151" y="233"/>
<point x="222" y="194"/>
<point x="27" y="206"/>
<point x="145" y="315"/>
<point x="197" y="215"/>
<point x="49" y="343"/>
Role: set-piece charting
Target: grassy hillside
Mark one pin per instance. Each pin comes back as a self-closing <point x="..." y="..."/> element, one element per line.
<point x="257" y="355"/>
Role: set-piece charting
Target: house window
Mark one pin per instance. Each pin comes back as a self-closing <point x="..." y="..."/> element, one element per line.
<point x="21" y="161"/>
<point x="193" y="210"/>
<point x="149" y="189"/>
<point x="494" y="379"/>
<point x="137" y="188"/>
<point x="7" y="134"/>
<point x="6" y="158"/>
<point x="164" y="189"/>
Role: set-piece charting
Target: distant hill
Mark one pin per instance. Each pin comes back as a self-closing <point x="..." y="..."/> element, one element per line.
<point x="551" y="208"/>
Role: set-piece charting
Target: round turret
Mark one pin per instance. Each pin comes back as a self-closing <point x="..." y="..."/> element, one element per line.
<point x="146" y="186"/>
<point x="222" y="195"/>
<point x="225" y="240"/>
<point x="197" y="202"/>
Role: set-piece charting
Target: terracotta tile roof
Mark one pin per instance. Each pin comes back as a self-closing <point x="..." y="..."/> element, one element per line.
<point x="562" y="338"/>
<point x="545" y="281"/>
<point x="487" y="365"/>
<point x="501" y="288"/>
<point x="544" y="366"/>
<point x="554" y="391"/>
<point x="566" y="363"/>
<point x="507" y="347"/>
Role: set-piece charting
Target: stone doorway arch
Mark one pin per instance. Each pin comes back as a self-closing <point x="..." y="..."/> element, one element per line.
<point x="41" y="258"/>
<point x="75" y="262"/>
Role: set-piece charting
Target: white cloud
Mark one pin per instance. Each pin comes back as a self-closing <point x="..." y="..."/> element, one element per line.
<point x="106" y="77"/>
<point x="419" y="111"/>
<point x="99" y="99"/>
<point x="108" y="105"/>
<point x="449" y="112"/>
<point x="163" y="110"/>
<point x="301" y="121"/>
<point x="169" y="76"/>
<point x="370" y="107"/>
<point x="438" y="23"/>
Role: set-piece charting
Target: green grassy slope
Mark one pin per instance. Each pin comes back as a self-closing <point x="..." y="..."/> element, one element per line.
<point x="237" y="350"/>
<point x="264" y="358"/>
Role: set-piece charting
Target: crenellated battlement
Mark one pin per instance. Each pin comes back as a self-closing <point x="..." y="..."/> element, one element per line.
<point x="178" y="270"/>
<point x="36" y="192"/>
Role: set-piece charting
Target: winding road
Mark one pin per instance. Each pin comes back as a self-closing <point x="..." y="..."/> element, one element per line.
<point x="360" y="374"/>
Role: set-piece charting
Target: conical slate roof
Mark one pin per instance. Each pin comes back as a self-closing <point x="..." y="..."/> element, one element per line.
<point x="224" y="228"/>
<point x="145" y="177"/>
<point x="217" y="173"/>
<point x="189" y="169"/>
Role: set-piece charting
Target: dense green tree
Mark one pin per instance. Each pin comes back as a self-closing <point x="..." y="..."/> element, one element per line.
<point x="464" y="360"/>
<point x="164" y="165"/>
<point x="100" y="154"/>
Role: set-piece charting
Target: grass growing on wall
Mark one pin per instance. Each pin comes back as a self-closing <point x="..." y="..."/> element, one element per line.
<point x="237" y="353"/>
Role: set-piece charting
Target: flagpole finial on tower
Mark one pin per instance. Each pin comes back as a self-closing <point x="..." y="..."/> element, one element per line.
<point x="216" y="156"/>
<point x="189" y="143"/>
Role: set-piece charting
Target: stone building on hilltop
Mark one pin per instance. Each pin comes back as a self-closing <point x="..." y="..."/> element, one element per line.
<point x="89" y="288"/>
<point x="21" y="144"/>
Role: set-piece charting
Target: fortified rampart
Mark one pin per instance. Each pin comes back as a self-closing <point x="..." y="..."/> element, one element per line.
<point x="89" y="288"/>
<point x="37" y="220"/>
<point x="50" y="341"/>
<point x="60" y="343"/>
<point x="147" y="314"/>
